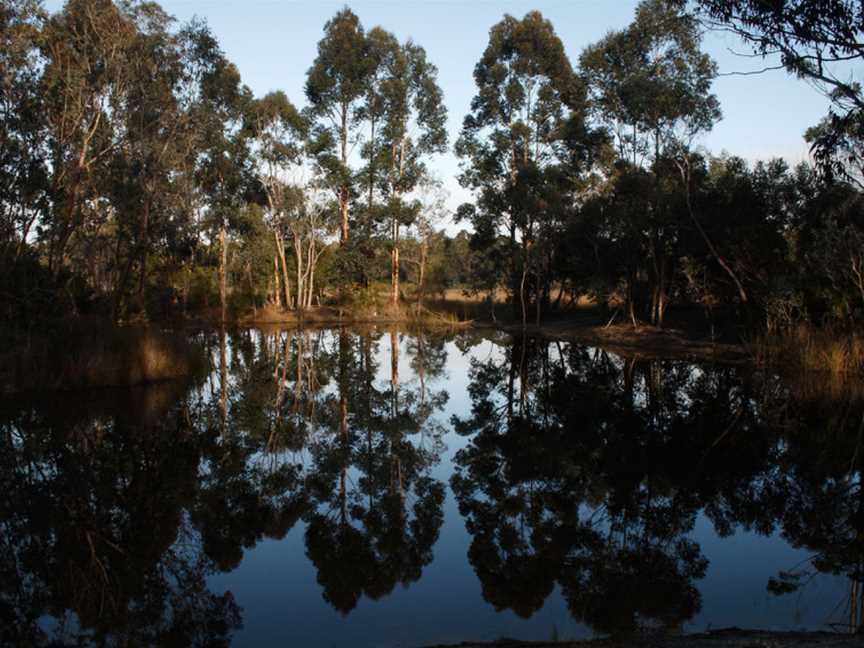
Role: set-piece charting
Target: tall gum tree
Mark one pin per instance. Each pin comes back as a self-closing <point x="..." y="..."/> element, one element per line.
<point x="649" y="84"/>
<point x="413" y="129"/>
<point x="86" y="48"/>
<point x="380" y="46"/>
<point x="154" y="132"/>
<point x="526" y="122"/>
<point x="223" y="168"/>
<point x="279" y="132"/>
<point x="335" y="85"/>
<point x="23" y="170"/>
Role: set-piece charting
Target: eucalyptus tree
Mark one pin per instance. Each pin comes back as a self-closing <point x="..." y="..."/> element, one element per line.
<point x="413" y="128"/>
<point x="335" y="86"/>
<point x="221" y="162"/>
<point x="312" y="220"/>
<point x="278" y="130"/>
<point x="650" y="85"/>
<point x="129" y="124"/>
<point x="24" y="197"/>
<point x="87" y="48"/>
<point x="381" y="46"/>
<point x="23" y="170"/>
<point x="831" y="249"/>
<point x="154" y="131"/>
<point x="526" y="120"/>
<point x="431" y="213"/>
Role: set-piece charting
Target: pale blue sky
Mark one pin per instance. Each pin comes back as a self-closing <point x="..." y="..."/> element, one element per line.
<point x="274" y="42"/>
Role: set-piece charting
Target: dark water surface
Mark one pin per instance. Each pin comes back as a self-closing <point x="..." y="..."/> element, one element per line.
<point x="327" y="488"/>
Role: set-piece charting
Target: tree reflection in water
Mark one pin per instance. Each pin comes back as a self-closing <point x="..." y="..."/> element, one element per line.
<point x="113" y="515"/>
<point x="579" y="470"/>
<point x="374" y="505"/>
<point x="588" y="471"/>
<point x="94" y="529"/>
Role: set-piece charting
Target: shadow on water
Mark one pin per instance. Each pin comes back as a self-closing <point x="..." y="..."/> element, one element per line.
<point x="577" y="472"/>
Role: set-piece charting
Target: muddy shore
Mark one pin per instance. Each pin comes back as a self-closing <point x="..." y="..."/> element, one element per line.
<point x="726" y="638"/>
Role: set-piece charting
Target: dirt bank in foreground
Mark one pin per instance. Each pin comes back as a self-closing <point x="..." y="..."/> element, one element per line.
<point x="728" y="638"/>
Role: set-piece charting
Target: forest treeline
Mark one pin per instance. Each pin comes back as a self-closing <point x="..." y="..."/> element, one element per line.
<point x="140" y="178"/>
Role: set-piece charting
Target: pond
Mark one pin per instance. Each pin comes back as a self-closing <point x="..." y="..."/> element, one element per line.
<point x="387" y="488"/>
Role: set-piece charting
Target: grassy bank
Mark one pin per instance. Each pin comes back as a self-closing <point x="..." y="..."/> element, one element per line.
<point x="385" y="313"/>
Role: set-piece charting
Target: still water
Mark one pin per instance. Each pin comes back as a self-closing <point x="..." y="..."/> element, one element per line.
<point x="385" y="488"/>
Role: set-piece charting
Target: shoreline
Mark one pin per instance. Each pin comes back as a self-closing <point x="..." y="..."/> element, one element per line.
<point x="721" y="638"/>
<point x="141" y="352"/>
<point x="646" y="342"/>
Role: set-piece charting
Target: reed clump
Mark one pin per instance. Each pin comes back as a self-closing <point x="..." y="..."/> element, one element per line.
<point x="809" y="349"/>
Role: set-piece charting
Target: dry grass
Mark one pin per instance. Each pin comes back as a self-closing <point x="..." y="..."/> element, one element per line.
<point x="812" y="350"/>
<point x="453" y="306"/>
<point x="501" y="296"/>
<point x="377" y="312"/>
<point x="457" y="295"/>
<point x="436" y="319"/>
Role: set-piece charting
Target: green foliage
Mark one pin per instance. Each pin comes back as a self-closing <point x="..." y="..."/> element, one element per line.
<point x="813" y="38"/>
<point x="526" y="148"/>
<point x="650" y="82"/>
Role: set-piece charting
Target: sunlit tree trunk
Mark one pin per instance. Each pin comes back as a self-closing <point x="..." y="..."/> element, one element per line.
<point x="277" y="290"/>
<point x="144" y="244"/>
<point x="311" y="287"/>
<point x="280" y="250"/>
<point x="394" y="266"/>
<point x="343" y="190"/>
<point x="522" y="295"/>
<point x="398" y="153"/>
<point x="298" y="258"/>
<point x="421" y="281"/>
<point x="310" y="270"/>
